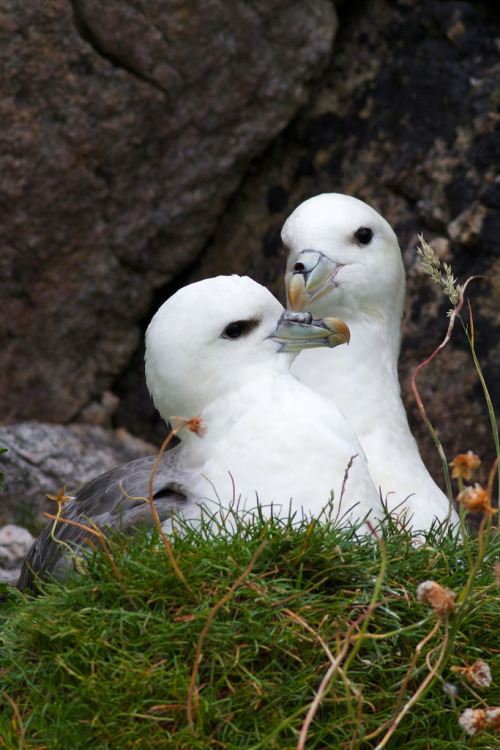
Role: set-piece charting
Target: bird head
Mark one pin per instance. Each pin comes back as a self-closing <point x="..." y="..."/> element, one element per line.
<point x="343" y="259"/>
<point x="214" y="336"/>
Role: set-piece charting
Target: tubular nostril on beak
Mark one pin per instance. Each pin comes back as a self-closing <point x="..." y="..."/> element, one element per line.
<point x="296" y="293"/>
<point x="310" y="277"/>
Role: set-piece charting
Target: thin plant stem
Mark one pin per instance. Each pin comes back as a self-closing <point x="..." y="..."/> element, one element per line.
<point x="19" y="720"/>
<point x="154" y="512"/>
<point x="419" y="401"/>
<point x="206" y="628"/>
<point x="489" y="403"/>
<point x="408" y="676"/>
<point x="320" y="692"/>
<point x="194" y="424"/>
<point x="322" y="643"/>
<point x="463" y="526"/>
<point x="433" y="672"/>
<point x="373" y="602"/>
<point x="335" y="666"/>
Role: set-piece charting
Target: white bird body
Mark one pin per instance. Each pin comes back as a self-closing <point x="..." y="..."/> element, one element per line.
<point x="300" y="462"/>
<point x="350" y="265"/>
<point x="219" y="349"/>
<point x="269" y="437"/>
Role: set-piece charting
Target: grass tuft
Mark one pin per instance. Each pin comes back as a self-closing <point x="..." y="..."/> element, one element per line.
<point x="279" y="636"/>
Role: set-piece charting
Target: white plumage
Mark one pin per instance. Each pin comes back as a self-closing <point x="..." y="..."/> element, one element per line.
<point x="221" y="349"/>
<point x="344" y="260"/>
<point x="268" y="436"/>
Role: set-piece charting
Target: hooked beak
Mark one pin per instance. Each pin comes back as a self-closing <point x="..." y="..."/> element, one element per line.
<point x="298" y="330"/>
<point x="312" y="276"/>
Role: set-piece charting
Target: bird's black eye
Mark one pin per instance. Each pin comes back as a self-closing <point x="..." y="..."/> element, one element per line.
<point x="364" y="235"/>
<point x="299" y="267"/>
<point x="239" y="328"/>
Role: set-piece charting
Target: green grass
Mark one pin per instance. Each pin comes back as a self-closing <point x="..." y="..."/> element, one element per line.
<point x="110" y="660"/>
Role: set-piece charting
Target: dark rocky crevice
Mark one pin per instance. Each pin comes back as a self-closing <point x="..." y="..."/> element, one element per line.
<point x="86" y="33"/>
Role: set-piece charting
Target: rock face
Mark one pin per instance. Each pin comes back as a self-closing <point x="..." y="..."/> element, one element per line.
<point x="125" y="128"/>
<point x="15" y="543"/>
<point x="42" y="458"/>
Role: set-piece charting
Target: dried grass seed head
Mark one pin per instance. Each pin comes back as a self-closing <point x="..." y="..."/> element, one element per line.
<point x="441" y="599"/>
<point x="442" y="276"/>
<point x="478" y="674"/>
<point x="463" y="464"/>
<point x="475" y="499"/>
<point x="493" y="718"/>
<point x="61" y="497"/>
<point x="472" y="720"/>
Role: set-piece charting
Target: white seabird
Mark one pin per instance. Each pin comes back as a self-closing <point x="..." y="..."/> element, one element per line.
<point x="344" y="260"/>
<point x="222" y="349"/>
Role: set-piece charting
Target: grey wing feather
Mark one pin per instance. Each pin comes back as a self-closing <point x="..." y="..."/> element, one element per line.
<point x="112" y="500"/>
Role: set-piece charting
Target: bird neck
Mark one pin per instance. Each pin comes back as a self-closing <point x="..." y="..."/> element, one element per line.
<point x="361" y="377"/>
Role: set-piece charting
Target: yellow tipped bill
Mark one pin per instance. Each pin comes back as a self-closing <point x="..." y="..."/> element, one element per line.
<point x="297" y="331"/>
<point x="312" y="276"/>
